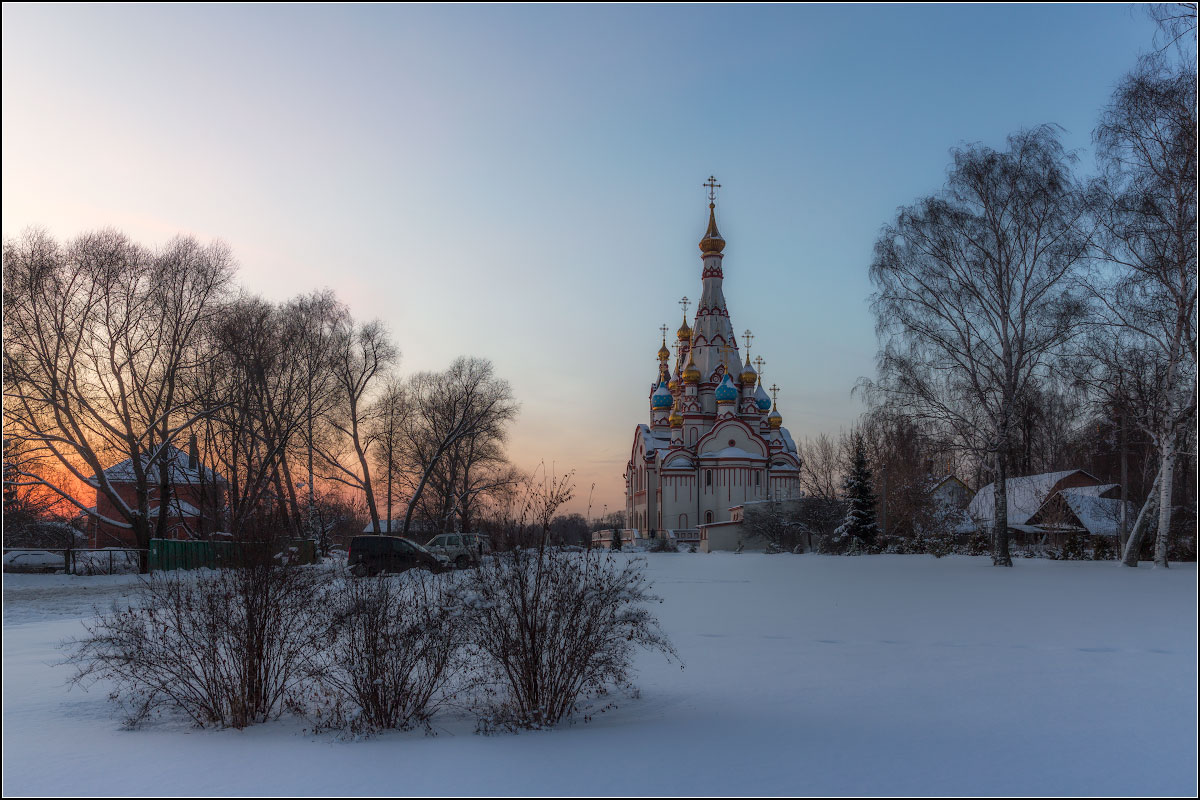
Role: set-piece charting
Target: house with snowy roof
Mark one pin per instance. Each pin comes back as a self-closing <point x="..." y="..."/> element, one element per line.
<point x="950" y="493"/>
<point x="1049" y="507"/>
<point x="193" y="499"/>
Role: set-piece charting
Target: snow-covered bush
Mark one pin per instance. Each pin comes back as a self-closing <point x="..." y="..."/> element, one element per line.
<point x="550" y="629"/>
<point x="1073" y="548"/>
<point x="978" y="544"/>
<point x="939" y="543"/>
<point x="832" y="544"/>
<point x="662" y="544"/>
<point x="395" y="649"/>
<point x="225" y="647"/>
<point x="1103" y="548"/>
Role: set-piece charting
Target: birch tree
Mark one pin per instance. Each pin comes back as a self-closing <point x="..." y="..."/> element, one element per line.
<point x="974" y="293"/>
<point x="1145" y="207"/>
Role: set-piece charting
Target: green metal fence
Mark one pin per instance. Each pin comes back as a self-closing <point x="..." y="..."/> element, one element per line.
<point x="171" y="554"/>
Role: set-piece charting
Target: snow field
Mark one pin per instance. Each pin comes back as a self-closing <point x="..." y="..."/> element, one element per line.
<point x="804" y="675"/>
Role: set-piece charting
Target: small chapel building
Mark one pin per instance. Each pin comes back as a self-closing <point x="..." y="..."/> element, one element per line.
<point x="715" y="439"/>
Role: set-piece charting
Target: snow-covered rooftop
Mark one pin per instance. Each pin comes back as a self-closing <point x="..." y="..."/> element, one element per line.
<point x="1100" y="515"/>
<point x="1025" y="496"/>
<point x="177" y="464"/>
<point x="177" y="508"/>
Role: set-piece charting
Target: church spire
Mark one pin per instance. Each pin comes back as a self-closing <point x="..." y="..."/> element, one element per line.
<point x="712" y="241"/>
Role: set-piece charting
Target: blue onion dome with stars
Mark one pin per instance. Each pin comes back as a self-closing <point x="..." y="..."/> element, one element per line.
<point x="726" y="392"/>
<point x="662" y="399"/>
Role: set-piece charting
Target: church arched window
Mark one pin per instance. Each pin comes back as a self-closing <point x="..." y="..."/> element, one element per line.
<point x="708" y="479"/>
<point x="707" y="517"/>
<point x="683" y="521"/>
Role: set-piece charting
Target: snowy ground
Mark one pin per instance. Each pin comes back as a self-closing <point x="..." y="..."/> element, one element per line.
<point x="805" y="675"/>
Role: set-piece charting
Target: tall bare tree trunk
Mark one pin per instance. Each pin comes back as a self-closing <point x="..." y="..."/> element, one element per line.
<point x="1123" y="530"/>
<point x="1166" y="484"/>
<point x="1133" y="546"/>
<point x="1000" y="550"/>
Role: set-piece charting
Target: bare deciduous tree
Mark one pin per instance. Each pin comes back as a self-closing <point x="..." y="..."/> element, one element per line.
<point x="363" y="357"/>
<point x="456" y="418"/>
<point x="974" y="294"/>
<point x="1145" y="207"/>
<point x="99" y="338"/>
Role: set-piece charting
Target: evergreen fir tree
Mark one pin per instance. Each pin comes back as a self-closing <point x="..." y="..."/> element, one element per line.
<point x="859" y="523"/>
<point x="616" y="540"/>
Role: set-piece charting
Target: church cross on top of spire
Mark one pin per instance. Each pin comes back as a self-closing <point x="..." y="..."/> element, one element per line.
<point x="712" y="185"/>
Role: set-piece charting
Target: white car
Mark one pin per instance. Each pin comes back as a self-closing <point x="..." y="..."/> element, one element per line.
<point x="460" y="549"/>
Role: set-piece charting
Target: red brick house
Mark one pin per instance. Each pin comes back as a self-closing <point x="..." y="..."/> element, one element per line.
<point x="192" y="507"/>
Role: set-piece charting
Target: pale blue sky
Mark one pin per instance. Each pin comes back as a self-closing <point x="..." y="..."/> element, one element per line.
<point x="523" y="183"/>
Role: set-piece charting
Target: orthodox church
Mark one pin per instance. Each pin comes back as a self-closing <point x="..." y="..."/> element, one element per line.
<point x="715" y="439"/>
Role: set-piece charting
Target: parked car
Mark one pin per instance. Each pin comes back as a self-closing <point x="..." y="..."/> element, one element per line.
<point x="371" y="555"/>
<point x="460" y="549"/>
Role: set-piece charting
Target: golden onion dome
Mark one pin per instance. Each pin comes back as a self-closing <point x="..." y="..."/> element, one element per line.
<point x="691" y="374"/>
<point x="712" y="241"/>
<point x="675" y="382"/>
<point x="775" y="419"/>
<point x="676" y="418"/>
<point x="684" y="333"/>
<point x="748" y="376"/>
<point x="663" y="352"/>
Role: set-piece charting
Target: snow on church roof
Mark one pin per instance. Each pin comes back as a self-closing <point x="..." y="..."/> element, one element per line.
<point x="653" y="442"/>
<point x="736" y="452"/>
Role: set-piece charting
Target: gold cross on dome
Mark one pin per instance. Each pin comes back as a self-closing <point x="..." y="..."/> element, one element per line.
<point x="685" y="303"/>
<point x="712" y="185"/>
<point x="749" y="338"/>
<point x="774" y="393"/>
<point x="664" y="332"/>
<point x="758" y="364"/>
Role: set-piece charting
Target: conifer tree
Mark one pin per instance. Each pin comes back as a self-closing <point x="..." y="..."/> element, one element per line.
<point x="859" y="523"/>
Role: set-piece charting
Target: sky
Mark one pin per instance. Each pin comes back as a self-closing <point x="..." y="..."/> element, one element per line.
<point x="523" y="183"/>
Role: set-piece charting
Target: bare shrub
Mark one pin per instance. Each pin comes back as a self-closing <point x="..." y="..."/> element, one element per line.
<point x="224" y="647"/>
<point x="395" y="648"/>
<point x="550" y="629"/>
